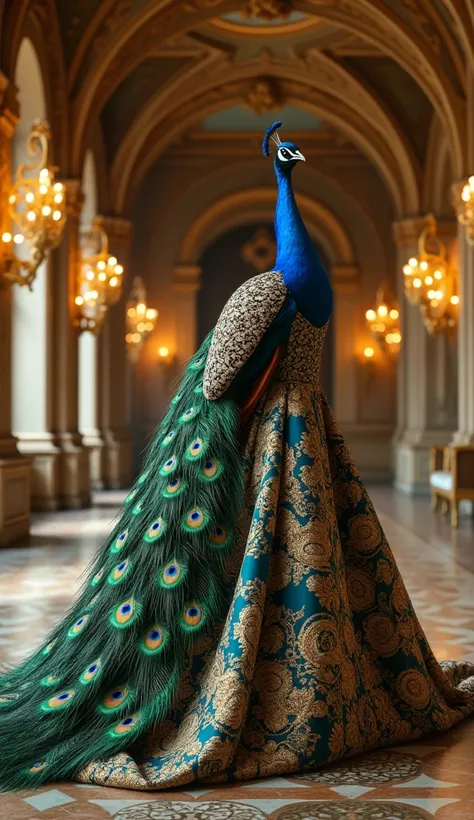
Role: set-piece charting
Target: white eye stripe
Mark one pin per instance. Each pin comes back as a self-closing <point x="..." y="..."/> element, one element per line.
<point x="286" y="154"/>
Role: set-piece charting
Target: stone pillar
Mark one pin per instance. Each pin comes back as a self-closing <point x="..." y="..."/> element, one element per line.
<point x="421" y="424"/>
<point x="74" y="480"/>
<point x="15" y="469"/>
<point x="345" y="282"/>
<point x="114" y="419"/>
<point x="465" y="431"/>
<point x="186" y="284"/>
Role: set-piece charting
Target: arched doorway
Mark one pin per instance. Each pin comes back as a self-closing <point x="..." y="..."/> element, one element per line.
<point x="224" y="267"/>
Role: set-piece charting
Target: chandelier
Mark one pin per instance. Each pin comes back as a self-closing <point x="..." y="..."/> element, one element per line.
<point x="99" y="282"/>
<point x="140" y="319"/>
<point x="430" y="282"/>
<point x="384" y="321"/>
<point x="463" y="200"/>
<point x="37" y="210"/>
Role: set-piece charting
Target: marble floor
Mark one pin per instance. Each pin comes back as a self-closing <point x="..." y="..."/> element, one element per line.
<point x="413" y="782"/>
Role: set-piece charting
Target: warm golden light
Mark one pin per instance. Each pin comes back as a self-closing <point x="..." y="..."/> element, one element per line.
<point x="96" y="266"/>
<point x="163" y="352"/>
<point x="383" y="321"/>
<point x="369" y="352"/>
<point x="140" y="319"/>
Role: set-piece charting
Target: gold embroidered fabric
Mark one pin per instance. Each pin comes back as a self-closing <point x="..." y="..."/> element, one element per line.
<point x="321" y="655"/>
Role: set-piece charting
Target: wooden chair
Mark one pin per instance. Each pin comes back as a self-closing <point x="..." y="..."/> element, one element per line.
<point x="452" y="478"/>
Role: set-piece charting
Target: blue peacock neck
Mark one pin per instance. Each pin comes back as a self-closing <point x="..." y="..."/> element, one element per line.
<point x="303" y="273"/>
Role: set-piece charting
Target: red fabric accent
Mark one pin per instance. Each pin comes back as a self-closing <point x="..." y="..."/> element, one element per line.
<point x="260" y="385"/>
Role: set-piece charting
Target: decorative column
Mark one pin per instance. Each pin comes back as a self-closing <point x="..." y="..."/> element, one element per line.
<point x="465" y="431"/>
<point x="186" y="284"/>
<point x="15" y="469"/>
<point x="74" y="480"/>
<point x="114" y="419"/>
<point x="422" y="421"/>
<point x="345" y="281"/>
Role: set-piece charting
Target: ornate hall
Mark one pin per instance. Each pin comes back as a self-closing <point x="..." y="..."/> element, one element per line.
<point x="134" y="201"/>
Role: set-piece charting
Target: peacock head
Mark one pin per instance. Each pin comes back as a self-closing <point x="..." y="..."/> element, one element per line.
<point x="287" y="153"/>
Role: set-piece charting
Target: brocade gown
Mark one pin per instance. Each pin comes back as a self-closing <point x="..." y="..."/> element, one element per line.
<point x="321" y="655"/>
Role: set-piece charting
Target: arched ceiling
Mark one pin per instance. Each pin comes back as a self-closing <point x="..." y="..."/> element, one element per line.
<point x="150" y="71"/>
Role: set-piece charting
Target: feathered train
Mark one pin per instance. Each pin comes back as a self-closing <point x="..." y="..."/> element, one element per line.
<point x="110" y="670"/>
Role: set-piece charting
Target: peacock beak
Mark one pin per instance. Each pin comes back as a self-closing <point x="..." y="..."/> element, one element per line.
<point x="298" y="155"/>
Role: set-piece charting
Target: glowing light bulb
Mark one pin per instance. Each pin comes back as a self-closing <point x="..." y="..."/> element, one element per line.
<point x="369" y="352"/>
<point x="113" y="282"/>
<point x="90" y="275"/>
<point x="382" y="310"/>
<point x="371" y="315"/>
<point x="141" y="308"/>
<point x="151" y="313"/>
<point x="428" y="280"/>
<point x="438" y="274"/>
<point x="57" y="215"/>
<point x="163" y="352"/>
<point x="431" y="294"/>
<point x="407" y="270"/>
<point x="101" y="265"/>
<point x="58" y="198"/>
<point x="18" y="238"/>
<point x="58" y="187"/>
<point x="46" y="210"/>
<point x="44" y="173"/>
<point x="424" y="265"/>
<point x="112" y="261"/>
<point x="118" y="269"/>
<point x="394" y="314"/>
<point x="43" y="189"/>
<point x="396" y="338"/>
<point x="6" y="237"/>
<point x="454" y="300"/>
<point x="471" y="182"/>
<point x="30" y="197"/>
<point x="141" y="327"/>
<point x="417" y="283"/>
<point x="413" y="262"/>
<point x="79" y="300"/>
<point x="12" y="199"/>
<point x="31" y="216"/>
<point x="102" y="276"/>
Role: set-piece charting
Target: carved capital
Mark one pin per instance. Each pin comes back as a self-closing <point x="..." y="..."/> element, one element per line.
<point x="118" y="229"/>
<point x="74" y="197"/>
<point x="186" y="278"/>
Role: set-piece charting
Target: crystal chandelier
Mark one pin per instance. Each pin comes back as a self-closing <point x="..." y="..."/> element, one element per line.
<point x="37" y="210"/>
<point x="140" y="319"/>
<point x="99" y="280"/>
<point x="430" y="282"/>
<point x="463" y="200"/>
<point x="384" y="321"/>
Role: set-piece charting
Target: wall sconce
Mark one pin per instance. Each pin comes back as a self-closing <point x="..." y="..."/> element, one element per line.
<point x="367" y="367"/>
<point x="99" y="280"/>
<point x="37" y="209"/>
<point x="463" y="201"/>
<point x="166" y="363"/>
<point x="430" y="282"/>
<point x="384" y="321"/>
<point x="140" y="319"/>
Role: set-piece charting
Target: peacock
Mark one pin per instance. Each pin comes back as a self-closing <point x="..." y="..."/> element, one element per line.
<point x="110" y="670"/>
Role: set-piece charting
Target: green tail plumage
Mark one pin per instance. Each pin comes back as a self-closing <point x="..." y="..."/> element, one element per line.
<point x="110" y="670"/>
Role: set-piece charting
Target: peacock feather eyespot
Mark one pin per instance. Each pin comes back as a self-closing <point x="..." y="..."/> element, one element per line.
<point x="171" y="575"/>
<point x="193" y="617"/>
<point x="97" y="577"/>
<point x="78" y="626"/>
<point x="130" y="496"/>
<point x="49" y="680"/>
<point x="195" y="449"/>
<point x="48" y="648"/>
<point x="37" y="767"/>
<point x="119" y="542"/>
<point x="58" y="701"/>
<point x="189" y="414"/>
<point x="91" y="672"/>
<point x="177" y="397"/>
<point x="168" y="438"/>
<point x="155" y="640"/>
<point x="199" y="388"/>
<point x="155" y="530"/>
<point x="211" y="469"/>
<point x="125" y="614"/>
<point x="169" y="466"/>
<point x="219" y="537"/>
<point x="195" y="519"/>
<point x="115" y="699"/>
<point x="137" y="508"/>
<point x="174" y="488"/>
<point x="198" y="363"/>
<point x="144" y="477"/>
<point x="119" y="572"/>
<point x="128" y="724"/>
<point x="8" y="699"/>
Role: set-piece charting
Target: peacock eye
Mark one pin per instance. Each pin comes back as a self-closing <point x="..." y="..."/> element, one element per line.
<point x="284" y="154"/>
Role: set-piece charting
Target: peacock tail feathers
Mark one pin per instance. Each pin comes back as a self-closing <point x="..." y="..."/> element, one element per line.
<point x="111" y="669"/>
